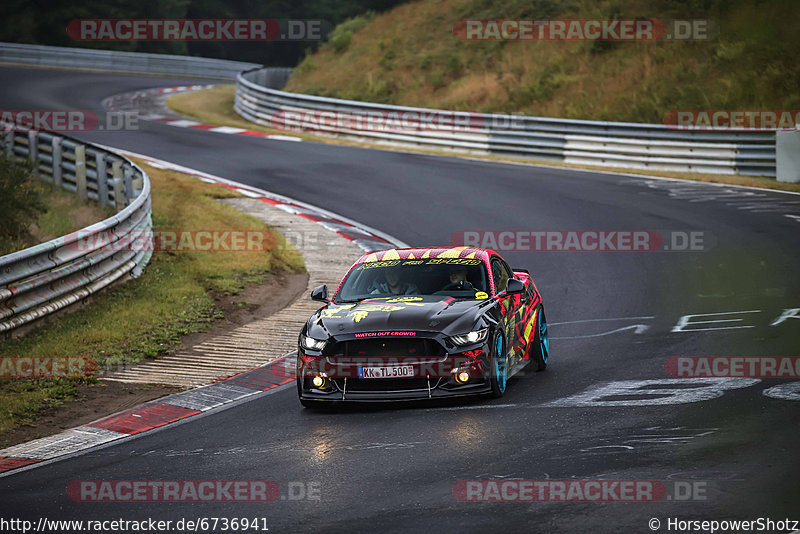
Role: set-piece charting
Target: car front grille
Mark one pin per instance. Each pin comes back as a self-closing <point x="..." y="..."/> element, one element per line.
<point x="423" y="349"/>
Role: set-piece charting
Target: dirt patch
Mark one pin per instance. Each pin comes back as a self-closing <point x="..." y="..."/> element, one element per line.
<point x="106" y="397"/>
<point x="93" y="402"/>
<point x="255" y="302"/>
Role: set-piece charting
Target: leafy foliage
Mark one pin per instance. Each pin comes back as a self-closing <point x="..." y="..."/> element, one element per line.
<point x="45" y="21"/>
<point x="21" y="203"/>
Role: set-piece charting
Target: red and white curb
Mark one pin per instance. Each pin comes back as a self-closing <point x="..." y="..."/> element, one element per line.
<point x="367" y="238"/>
<point x="186" y="123"/>
<point x="150" y="415"/>
<point x="189" y="403"/>
<point x="126" y="101"/>
<point x="181" y="89"/>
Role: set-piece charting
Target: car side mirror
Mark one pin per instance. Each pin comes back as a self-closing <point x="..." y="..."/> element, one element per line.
<point x="514" y="287"/>
<point x="320" y="293"/>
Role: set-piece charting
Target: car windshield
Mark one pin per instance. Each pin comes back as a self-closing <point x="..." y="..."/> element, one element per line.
<point x="454" y="277"/>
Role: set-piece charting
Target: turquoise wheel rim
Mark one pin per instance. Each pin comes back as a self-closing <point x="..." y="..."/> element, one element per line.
<point x="500" y="368"/>
<point x="544" y="340"/>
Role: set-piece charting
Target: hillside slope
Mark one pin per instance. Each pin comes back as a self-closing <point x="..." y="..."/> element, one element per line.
<point x="410" y="56"/>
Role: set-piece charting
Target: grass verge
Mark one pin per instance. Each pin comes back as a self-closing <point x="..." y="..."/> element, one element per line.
<point x="146" y="317"/>
<point x="411" y="55"/>
<point x="215" y="106"/>
<point x="65" y="213"/>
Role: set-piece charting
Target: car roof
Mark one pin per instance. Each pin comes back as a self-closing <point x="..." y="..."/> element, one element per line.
<point x="426" y="252"/>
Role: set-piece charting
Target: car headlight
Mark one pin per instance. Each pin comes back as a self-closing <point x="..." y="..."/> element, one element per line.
<point x="310" y="343"/>
<point x="470" y="338"/>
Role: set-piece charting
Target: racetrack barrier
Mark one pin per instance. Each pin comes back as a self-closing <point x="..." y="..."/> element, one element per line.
<point x="46" y="278"/>
<point x="656" y="147"/>
<point x="653" y="147"/>
<point x="111" y="60"/>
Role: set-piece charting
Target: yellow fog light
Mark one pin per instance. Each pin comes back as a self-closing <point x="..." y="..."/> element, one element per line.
<point x="318" y="381"/>
<point x="462" y="377"/>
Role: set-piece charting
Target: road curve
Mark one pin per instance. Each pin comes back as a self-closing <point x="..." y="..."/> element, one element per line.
<point x="615" y="317"/>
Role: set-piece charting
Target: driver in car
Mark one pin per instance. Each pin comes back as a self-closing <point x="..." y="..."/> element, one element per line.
<point x="458" y="278"/>
<point x="394" y="284"/>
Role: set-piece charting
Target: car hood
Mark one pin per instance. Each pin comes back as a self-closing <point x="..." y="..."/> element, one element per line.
<point x="405" y="313"/>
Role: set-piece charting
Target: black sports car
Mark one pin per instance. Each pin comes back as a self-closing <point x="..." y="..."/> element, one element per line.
<point x="421" y="323"/>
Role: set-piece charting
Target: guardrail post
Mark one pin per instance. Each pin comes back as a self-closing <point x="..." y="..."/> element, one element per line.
<point x="102" y="178"/>
<point x="35" y="276"/>
<point x="80" y="171"/>
<point x="57" y="161"/>
<point x="787" y="156"/>
<point x="9" y="143"/>
<point x="128" y="189"/>
<point x="33" y="148"/>
<point x="119" y="193"/>
<point x="137" y="183"/>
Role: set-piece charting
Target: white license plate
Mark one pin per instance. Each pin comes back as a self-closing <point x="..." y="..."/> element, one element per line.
<point x="403" y="371"/>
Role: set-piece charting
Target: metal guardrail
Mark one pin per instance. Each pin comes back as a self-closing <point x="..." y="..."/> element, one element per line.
<point x="48" y="277"/>
<point x="87" y="58"/>
<point x="654" y="147"/>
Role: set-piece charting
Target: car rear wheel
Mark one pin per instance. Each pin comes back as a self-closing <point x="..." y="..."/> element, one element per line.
<point x="499" y="367"/>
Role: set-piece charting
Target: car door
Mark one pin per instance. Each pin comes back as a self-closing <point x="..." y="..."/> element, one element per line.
<point x="510" y="309"/>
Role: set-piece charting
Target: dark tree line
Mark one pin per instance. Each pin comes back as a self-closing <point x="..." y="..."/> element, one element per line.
<point x="45" y="22"/>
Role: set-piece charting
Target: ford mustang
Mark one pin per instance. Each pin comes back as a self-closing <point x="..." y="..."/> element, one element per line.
<point x="421" y="323"/>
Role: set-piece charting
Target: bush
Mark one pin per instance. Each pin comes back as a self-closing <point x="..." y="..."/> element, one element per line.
<point x="21" y="203"/>
<point x="343" y="33"/>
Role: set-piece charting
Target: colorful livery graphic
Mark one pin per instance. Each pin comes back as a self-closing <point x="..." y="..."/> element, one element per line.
<point x="422" y="323"/>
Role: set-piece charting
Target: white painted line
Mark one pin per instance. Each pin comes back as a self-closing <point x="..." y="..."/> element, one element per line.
<point x="183" y="123"/>
<point x="637" y="329"/>
<point x="789" y="391"/>
<point x="686" y="320"/>
<point x="227" y="130"/>
<point x="283" y="137"/>
<point x="72" y="440"/>
<point x="652" y="392"/>
<point x="153" y="117"/>
<point x="274" y="196"/>
<point x="615" y="447"/>
<point x="676" y="181"/>
<point x="604" y="319"/>
<point x="290" y="209"/>
<point x="247" y="193"/>
<point x="478" y="407"/>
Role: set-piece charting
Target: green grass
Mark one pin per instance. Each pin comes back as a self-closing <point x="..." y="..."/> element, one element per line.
<point x="146" y="317"/>
<point x="22" y="400"/>
<point x="410" y="56"/>
<point x="67" y="213"/>
<point x="64" y="213"/>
